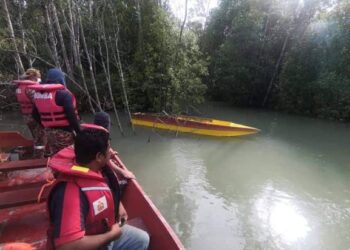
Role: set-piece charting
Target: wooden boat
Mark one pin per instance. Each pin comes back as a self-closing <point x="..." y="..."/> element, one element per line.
<point x="24" y="219"/>
<point x="191" y="124"/>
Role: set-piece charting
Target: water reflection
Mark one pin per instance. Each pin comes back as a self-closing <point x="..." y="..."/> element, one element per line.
<point x="280" y="214"/>
<point x="284" y="188"/>
<point x="201" y="213"/>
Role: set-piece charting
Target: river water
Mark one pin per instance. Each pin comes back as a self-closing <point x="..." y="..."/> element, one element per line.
<point x="285" y="188"/>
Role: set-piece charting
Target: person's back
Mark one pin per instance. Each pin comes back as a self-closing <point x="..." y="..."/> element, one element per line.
<point x="25" y="98"/>
<point x="55" y="108"/>
<point x="82" y="205"/>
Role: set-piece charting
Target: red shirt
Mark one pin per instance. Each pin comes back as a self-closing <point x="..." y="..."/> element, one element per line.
<point x="67" y="215"/>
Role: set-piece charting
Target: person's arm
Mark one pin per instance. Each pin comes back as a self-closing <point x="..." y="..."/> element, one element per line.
<point x="124" y="172"/>
<point x="93" y="241"/>
<point x="65" y="99"/>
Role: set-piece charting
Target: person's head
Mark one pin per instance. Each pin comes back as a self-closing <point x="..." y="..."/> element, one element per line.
<point x="55" y="75"/>
<point x="91" y="147"/>
<point x="32" y="75"/>
<point x="103" y="119"/>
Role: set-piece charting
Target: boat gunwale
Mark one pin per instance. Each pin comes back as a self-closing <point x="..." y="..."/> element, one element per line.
<point x="167" y="236"/>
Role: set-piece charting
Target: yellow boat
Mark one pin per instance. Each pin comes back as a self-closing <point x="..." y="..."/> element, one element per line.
<point x="191" y="124"/>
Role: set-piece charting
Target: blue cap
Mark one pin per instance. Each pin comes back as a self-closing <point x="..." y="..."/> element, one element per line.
<point x="55" y="75"/>
<point x="103" y="119"/>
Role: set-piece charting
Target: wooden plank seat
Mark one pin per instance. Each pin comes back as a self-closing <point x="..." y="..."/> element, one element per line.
<point x="4" y="185"/>
<point x="18" y="175"/>
<point x="11" y="139"/>
<point x="28" y="194"/>
<point x="23" y="164"/>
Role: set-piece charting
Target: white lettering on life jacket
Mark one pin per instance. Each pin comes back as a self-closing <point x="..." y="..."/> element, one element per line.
<point x="39" y="95"/>
<point x="18" y="91"/>
<point x="100" y="205"/>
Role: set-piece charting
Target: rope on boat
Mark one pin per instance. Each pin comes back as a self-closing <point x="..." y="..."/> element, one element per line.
<point x="48" y="183"/>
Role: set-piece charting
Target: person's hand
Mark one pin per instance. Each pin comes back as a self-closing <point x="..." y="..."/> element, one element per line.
<point x="115" y="231"/>
<point x="123" y="215"/>
<point x="128" y="174"/>
<point x="113" y="152"/>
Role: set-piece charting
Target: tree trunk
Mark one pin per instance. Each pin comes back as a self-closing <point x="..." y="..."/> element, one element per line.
<point x="106" y="69"/>
<point x="80" y="67"/>
<point x="12" y="36"/>
<point x="73" y="37"/>
<point x="117" y="59"/>
<point x="121" y="73"/>
<point x="23" y="37"/>
<point x="90" y="9"/>
<point x="184" y="22"/>
<point x="92" y="75"/>
<point x="302" y="18"/>
<point x="140" y="32"/>
<point x="75" y="49"/>
<point x="172" y="88"/>
<point x="60" y="36"/>
<point x="52" y="37"/>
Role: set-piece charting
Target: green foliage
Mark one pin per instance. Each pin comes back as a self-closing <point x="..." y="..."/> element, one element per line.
<point x="241" y="38"/>
<point x="315" y="79"/>
<point x="160" y="73"/>
<point x="290" y="55"/>
<point x="299" y="51"/>
<point x="331" y="97"/>
<point x="298" y="79"/>
<point x="166" y="75"/>
<point x="186" y="76"/>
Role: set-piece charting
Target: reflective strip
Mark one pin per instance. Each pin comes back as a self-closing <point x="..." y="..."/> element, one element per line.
<point x="80" y="169"/>
<point x="95" y="188"/>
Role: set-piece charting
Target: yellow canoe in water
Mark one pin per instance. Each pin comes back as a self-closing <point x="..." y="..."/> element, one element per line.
<point x="191" y="124"/>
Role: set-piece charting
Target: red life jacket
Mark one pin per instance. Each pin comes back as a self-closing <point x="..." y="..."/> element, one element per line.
<point x="21" y="94"/>
<point x="51" y="114"/>
<point x="101" y="212"/>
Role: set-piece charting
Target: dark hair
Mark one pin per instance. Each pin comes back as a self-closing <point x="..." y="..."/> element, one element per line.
<point x="88" y="143"/>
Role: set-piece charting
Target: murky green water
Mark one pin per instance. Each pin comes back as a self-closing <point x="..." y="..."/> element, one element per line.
<point x="285" y="188"/>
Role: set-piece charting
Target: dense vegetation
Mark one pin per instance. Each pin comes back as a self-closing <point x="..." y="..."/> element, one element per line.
<point x="120" y="52"/>
<point x="290" y="55"/>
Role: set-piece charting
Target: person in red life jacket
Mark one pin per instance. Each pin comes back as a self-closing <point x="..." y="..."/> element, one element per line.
<point x="84" y="204"/>
<point x="55" y="108"/>
<point x="104" y="120"/>
<point x="25" y="98"/>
